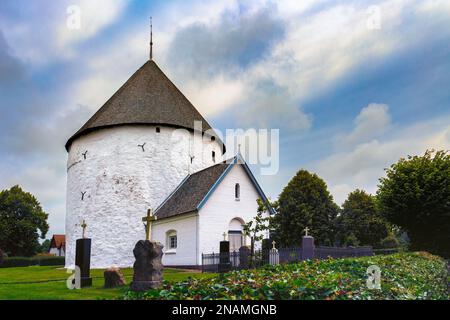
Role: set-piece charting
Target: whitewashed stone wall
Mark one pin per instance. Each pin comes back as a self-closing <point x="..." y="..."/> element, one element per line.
<point x="121" y="182"/>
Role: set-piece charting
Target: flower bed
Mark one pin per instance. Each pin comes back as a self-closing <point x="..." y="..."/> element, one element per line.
<point x="403" y="276"/>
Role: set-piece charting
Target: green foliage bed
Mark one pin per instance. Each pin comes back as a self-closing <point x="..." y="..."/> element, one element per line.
<point x="403" y="276"/>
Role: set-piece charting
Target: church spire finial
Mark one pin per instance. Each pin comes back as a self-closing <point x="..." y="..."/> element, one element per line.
<point x="151" y="39"/>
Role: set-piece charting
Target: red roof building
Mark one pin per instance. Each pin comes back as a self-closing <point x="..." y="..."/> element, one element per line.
<point x="58" y="245"/>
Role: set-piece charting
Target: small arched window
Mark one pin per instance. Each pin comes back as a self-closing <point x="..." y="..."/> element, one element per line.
<point x="213" y="154"/>
<point x="237" y="191"/>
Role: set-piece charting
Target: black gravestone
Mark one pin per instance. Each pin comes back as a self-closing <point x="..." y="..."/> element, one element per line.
<point x="224" y="257"/>
<point x="83" y="261"/>
<point x="244" y="257"/>
<point x="266" y="245"/>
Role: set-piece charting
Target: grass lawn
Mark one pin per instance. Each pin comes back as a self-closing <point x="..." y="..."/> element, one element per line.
<point x="49" y="283"/>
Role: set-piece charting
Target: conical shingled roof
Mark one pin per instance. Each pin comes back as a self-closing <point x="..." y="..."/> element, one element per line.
<point x="148" y="97"/>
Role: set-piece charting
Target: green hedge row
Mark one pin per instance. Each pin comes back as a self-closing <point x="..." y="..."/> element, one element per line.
<point x="403" y="276"/>
<point x="10" y="262"/>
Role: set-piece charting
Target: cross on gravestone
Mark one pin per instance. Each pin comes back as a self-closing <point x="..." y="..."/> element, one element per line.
<point x="306" y="231"/>
<point x="83" y="225"/>
<point x="224" y="236"/>
<point x="149" y="218"/>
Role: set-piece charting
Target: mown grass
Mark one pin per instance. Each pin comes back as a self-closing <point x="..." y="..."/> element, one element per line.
<point x="49" y="283"/>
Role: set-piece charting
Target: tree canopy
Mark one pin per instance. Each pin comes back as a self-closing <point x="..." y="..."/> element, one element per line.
<point x="22" y="221"/>
<point x="305" y="202"/>
<point x="360" y="223"/>
<point x="415" y="195"/>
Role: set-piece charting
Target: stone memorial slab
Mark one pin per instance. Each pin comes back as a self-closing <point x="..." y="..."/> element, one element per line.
<point x="83" y="261"/>
<point x="244" y="257"/>
<point x="83" y="258"/>
<point x="148" y="269"/>
<point x="224" y="257"/>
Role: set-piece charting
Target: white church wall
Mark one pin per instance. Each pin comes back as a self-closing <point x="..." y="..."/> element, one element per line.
<point x="186" y="231"/>
<point x="120" y="182"/>
<point x="57" y="252"/>
<point x="222" y="207"/>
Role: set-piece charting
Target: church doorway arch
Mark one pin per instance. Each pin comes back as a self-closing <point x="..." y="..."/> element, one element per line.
<point x="236" y="234"/>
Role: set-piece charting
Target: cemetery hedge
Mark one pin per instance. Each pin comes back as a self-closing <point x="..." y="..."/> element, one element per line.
<point x="417" y="275"/>
<point x="10" y="262"/>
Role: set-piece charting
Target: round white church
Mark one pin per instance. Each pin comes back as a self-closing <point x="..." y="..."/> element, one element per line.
<point x="148" y="147"/>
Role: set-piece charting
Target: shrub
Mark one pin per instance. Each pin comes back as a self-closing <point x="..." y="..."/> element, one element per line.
<point x="10" y="262"/>
<point x="389" y="242"/>
<point x="403" y="276"/>
<point x="52" y="261"/>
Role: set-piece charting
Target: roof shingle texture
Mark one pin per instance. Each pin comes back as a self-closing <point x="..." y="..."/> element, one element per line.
<point x="147" y="97"/>
<point x="191" y="192"/>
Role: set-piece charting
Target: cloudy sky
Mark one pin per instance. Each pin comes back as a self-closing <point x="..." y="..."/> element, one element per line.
<point x="352" y="85"/>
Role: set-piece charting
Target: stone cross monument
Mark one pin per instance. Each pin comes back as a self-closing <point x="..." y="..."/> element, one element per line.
<point x="306" y="231"/>
<point x="307" y="245"/>
<point x="149" y="218"/>
<point x="274" y="256"/>
<point x="148" y="267"/>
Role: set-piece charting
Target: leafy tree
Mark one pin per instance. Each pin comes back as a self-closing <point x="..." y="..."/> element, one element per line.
<point x="255" y="228"/>
<point x="349" y="239"/>
<point x="45" y="246"/>
<point x="415" y="195"/>
<point x="305" y="202"/>
<point x="21" y="217"/>
<point x="361" y="221"/>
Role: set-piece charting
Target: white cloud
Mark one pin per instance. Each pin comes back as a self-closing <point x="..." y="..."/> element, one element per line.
<point x="370" y="123"/>
<point x="306" y="62"/>
<point x="340" y="192"/>
<point x="105" y="74"/>
<point x="362" y="166"/>
<point x="216" y="96"/>
<point x="435" y="6"/>
<point x="95" y="16"/>
<point x="208" y="12"/>
<point x="319" y="48"/>
<point x="294" y="7"/>
<point x="42" y="35"/>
